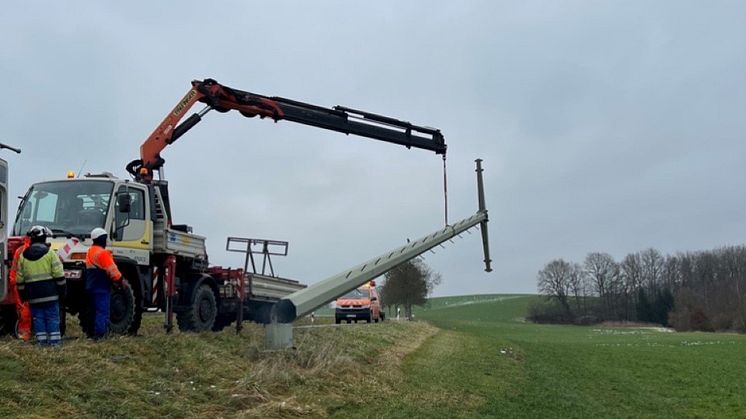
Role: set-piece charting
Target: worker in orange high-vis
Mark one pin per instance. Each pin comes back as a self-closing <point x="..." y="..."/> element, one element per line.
<point x="22" y="307"/>
<point x="101" y="274"/>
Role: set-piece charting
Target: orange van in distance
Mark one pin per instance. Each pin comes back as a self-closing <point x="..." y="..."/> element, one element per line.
<point x="362" y="303"/>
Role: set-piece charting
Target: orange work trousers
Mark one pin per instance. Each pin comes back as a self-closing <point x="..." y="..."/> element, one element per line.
<point x="24" y="316"/>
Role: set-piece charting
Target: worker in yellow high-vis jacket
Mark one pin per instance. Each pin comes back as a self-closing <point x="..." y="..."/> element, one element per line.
<point x="41" y="281"/>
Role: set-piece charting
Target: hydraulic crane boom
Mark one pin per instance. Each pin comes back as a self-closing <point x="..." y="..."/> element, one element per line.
<point x="224" y="99"/>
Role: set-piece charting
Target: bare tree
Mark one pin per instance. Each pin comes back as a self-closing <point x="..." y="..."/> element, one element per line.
<point x="603" y="273"/>
<point x="577" y="284"/>
<point x="671" y="272"/>
<point x="631" y="272"/>
<point x="554" y="280"/>
<point x="652" y="268"/>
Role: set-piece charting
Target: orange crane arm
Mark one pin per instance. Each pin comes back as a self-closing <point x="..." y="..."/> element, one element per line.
<point x="224" y="99"/>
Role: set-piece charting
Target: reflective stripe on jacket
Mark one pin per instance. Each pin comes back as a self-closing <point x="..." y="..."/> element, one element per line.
<point x="39" y="273"/>
<point x="100" y="268"/>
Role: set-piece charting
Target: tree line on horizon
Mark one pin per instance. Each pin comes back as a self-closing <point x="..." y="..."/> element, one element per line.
<point x="702" y="290"/>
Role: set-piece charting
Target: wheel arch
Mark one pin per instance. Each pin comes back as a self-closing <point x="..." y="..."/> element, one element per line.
<point x="129" y="269"/>
<point x="197" y="281"/>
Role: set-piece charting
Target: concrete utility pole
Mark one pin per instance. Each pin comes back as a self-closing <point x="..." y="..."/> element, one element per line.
<point x="279" y="332"/>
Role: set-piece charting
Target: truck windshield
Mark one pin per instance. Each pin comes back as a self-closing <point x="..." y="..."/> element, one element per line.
<point x="356" y="294"/>
<point x="66" y="207"/>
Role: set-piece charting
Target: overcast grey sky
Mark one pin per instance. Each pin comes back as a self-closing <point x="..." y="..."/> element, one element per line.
<point x="604" y="126"/>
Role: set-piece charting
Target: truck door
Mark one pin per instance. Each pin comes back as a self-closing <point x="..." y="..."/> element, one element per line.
<point x="133" y="228"/>
<point x="3" y="227"/>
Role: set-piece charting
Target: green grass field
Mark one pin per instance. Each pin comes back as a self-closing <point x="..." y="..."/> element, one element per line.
<point x="474" y="357"/>
<point x="487" y="362"/>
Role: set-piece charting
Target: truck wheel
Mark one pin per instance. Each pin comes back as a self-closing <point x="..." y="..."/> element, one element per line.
<point x="63" y="321"/>
<point x="136" y="320"/>
<point x="85" y="319"/>
<point x="337" y="320"/>
<point x="8" y="319"/>
<point x="123" y="312"/>
<point x="222" y="321"/>
<point x="200" y="315"/>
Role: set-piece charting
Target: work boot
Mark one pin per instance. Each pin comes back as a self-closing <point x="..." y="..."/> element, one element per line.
<point x="42" y="340"/>
<point x="55" y="339"/>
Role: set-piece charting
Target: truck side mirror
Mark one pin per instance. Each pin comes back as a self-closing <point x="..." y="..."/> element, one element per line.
<point x="124" y="203"/>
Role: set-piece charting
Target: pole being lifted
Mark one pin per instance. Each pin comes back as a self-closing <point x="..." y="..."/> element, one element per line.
<point x="304" y="301"/>
<point x="483" y="224"/>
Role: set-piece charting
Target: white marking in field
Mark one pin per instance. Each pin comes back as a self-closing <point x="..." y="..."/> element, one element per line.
<point x="663" y="345"/>
<point x="662" y="329"/>
<point x="620" y="331"/>
<point x="633" y="331"/>
<point x="485" y="300"/>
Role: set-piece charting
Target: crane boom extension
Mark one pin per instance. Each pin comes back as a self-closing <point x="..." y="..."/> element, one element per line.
<point x="224" y="99"/>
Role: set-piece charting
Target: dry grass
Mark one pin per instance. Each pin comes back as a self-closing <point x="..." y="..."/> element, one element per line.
<point x="204" y="375"/>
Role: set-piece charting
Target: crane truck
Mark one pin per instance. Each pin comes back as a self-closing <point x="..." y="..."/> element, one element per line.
<point x="165" y="264"/>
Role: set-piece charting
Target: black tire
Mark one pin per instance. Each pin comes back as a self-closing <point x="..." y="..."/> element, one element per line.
<point x="8" y="320"/>
<point x="85" y="320"/>
<point x="383" y="316"/>
<point x="134" y="326"/>
<point x="222" y="321"/>
<point x="63" y="320"/>
<point x="136" y="320"/>
<point x="201" y="313"/>
<point x="123" y="313"/>
<point x="337" y="320"/>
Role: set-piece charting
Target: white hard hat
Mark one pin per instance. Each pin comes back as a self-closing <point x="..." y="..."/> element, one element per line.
<point x="38" y="232"/>
<point x="97" y="232"/>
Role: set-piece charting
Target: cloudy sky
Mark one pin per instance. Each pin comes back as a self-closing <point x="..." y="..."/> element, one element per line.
<point x="604" y="126"/>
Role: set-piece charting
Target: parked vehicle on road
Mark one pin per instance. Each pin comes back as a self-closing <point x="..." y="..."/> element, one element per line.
<point x="359" y="304"/>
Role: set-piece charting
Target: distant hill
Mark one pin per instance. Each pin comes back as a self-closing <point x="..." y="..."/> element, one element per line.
<point x="492" y="307"/>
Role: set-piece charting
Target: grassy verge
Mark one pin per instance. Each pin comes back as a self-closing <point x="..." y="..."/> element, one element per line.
<point x="202" y="375"/>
